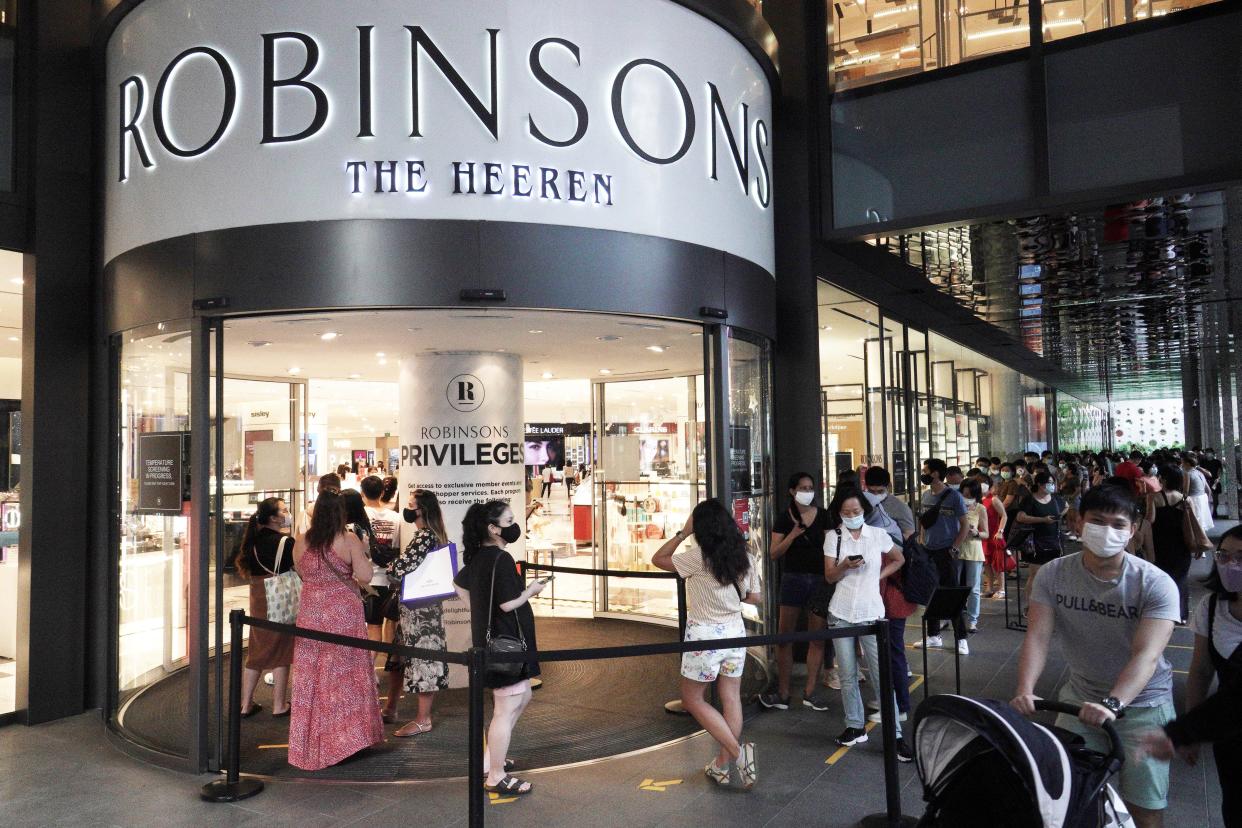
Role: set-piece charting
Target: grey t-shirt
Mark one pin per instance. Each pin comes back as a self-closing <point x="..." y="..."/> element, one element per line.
<point x="899" y="512"/>
<point x="1096" y="622"/>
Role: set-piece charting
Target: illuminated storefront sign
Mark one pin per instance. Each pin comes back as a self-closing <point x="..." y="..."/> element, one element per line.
<point x="642" y="117"/>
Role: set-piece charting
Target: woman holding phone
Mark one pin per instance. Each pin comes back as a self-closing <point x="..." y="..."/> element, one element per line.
<point x="720" y="577"/>
<point x="856" y="558"/>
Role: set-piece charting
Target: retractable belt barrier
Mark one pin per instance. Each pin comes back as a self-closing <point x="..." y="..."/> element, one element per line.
<point x="476" y="659"/>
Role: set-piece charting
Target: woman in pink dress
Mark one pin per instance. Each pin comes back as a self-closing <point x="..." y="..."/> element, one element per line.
<point x="336" y="709"/>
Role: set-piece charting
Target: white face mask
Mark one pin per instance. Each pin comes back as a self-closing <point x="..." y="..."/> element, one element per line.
<point x="986" y="487"/>
<point x="1050" y="488"/>
<point x="873" y="498"/>
<point x="955" y="486"/>
<point x="804" y="498"/>
<point x="1104" y="541"/>
<point x="968" y="501"/>
<point x="854" y="523"/>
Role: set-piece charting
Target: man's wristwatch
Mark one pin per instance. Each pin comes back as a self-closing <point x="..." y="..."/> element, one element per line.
<point x="1114" y="704"/>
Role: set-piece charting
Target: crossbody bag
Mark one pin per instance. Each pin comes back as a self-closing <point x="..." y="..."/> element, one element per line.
<point x="503" y="644"/>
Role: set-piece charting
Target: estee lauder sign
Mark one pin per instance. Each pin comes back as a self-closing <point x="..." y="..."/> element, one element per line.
<point x="637" y="116"/>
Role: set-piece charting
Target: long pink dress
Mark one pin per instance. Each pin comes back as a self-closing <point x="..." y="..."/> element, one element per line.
<point x="336" y="709"/>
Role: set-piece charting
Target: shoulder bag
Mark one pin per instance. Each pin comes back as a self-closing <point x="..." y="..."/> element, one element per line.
<point x="503" y="644"/>
<point x="283" y="590"/>
<point x="1192" y="530"/>
<point x="823" y="593"/>
<point x="929" y="516"/>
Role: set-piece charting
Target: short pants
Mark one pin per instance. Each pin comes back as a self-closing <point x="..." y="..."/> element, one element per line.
<point x="706" y="665"/>
<point x="798" y="588"/>
<point x="1144" y="782"/>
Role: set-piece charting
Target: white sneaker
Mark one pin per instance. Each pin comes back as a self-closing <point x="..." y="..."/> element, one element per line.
<point x="875" y="717"/>
<point x="933" y="642"/>
<point x="963" y="648"/>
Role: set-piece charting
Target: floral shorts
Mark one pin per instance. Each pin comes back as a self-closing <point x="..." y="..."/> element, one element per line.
<point x="706" y="665"/>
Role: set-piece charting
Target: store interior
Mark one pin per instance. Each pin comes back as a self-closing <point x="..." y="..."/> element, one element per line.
<point x="620" y="398"/>
<point x="10" y="468"/>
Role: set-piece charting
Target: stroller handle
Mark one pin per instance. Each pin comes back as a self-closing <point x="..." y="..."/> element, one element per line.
<point x="1116" y="750"/>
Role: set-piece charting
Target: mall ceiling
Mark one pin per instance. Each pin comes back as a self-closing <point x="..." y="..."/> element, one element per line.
<point x="1115" y="296"/>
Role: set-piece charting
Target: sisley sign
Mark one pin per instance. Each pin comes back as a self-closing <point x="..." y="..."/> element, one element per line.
<point x="637" y="116"/>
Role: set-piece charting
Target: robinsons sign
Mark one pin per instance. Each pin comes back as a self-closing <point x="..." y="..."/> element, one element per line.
<point x="639" y="116"/>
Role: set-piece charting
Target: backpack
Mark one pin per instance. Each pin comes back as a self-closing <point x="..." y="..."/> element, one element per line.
<point x="919" y="577"/>
<point x="883" y="520"/>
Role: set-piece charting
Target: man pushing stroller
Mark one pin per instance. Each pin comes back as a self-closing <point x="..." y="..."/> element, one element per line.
<point x="1113" y="614"/>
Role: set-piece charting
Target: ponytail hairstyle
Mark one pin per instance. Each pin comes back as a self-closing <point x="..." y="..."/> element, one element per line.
<point x="428" y="506"/>
<point x="474" y="533"/>
<point x="267" y="509"/>
<point x="327" y="521"/>
<point x="390" y="489"/>
<point x="722" y="545"/>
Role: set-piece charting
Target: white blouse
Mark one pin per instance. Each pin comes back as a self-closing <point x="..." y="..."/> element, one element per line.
<point x="857" y="597"/>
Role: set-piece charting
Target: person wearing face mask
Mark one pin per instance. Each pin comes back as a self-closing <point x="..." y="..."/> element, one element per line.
<point x="1041" y="513"/>
<point x="856" y="558"/>
<point x="499" y="603"/>
<point x="997" y="558"/>
<point x="1167" y="511"/>
<point x="953" y="478"/>
<point x="878" y="480"/>
<point x="943" y="519"/>
<point x="798" y="540"/>
<point x="266" y="550"/>
<point x="1217" y="624"/>
<point x="972" y="557"/>
<point x="1113" y="615"/>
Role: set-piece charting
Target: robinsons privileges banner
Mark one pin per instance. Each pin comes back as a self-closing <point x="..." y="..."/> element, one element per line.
<point x="460" y="420"/>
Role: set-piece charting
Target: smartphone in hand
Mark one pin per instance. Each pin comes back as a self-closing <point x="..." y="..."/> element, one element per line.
<point x="854" y="558"/>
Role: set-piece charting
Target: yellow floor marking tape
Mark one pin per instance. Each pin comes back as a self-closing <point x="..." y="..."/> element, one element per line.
<point x="272" y="747"/>
<point x="496" y="799"/>
<point x="659" y="787"/>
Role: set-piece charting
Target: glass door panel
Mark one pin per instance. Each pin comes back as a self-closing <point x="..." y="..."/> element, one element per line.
<point x="649" y="475"/>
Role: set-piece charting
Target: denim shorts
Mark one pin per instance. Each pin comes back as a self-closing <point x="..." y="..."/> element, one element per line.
<point x="797" y="588"/>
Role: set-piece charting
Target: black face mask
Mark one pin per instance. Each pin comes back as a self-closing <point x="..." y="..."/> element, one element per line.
<point x="510" y="533"/>
<point x="925" y="479"/>
<point x="410" y="515"/>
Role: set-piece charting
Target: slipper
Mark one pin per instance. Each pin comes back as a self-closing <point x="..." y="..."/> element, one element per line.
<point x="254" y="708"/>
<point x="509" y="765"/>
<point x="509" y="786"/>
<point x="283" y="715"/>
<point x="419" y="730"/>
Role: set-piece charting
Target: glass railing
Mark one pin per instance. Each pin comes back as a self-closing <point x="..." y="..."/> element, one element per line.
<point x="875" y="40"/>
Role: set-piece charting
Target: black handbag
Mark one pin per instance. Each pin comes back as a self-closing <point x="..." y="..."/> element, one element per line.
<point x="503" y="644"/>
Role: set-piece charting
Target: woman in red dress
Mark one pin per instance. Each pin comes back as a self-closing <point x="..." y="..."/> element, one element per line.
<point x="336" y="709"/>
<point x="997" y="557"/>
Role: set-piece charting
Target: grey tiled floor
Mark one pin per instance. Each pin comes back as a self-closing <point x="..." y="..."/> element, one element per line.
<point x="69" y="773"/>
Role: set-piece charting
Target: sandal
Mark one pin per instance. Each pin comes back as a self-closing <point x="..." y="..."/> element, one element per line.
<point x="717" y="774"/>
<point x="746" y="767"/>
<point x="509" y="786"/>
<point x="509" y="765"/>
<point x="419" y="729"/>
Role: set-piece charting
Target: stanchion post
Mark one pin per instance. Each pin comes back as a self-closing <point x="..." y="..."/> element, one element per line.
<point x="892" y="816"/>
<point x="233" y="787"/>
<point x="478" y="671"/>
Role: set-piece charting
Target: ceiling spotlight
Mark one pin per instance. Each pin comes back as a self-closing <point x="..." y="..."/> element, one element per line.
<point x="547" y="375"/>
<point x="355" y="376"/>
<point x="697" y="333"/>
<point x="328" y="336"/>
<point x="258" y="343"/>
<point x="383" y="361"/>
<point x="825" y="327"/>
<point x="535" y="331"/>
<point x="656" y="349"/>
<point x="380" y="354"/>
<point x="609" y="338"/>
<point x="17" y="281"/>
<point x="605" y="371"/>
<point x="14" y="339"/>
<point x="295" y="370"/>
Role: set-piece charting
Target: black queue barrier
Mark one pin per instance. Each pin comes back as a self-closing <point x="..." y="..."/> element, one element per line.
<point x="622" y="573"/>
<point x="476" y="660"/>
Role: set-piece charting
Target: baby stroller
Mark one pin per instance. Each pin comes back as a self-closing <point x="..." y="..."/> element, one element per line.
<point x="984" y="764"/>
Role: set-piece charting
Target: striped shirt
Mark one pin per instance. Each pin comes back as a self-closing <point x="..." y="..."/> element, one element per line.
<point x="707" y="600"/>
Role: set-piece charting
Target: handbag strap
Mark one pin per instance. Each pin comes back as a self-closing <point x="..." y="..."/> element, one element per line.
<point x="280" y="554"/>
<point x="491" y="604"/>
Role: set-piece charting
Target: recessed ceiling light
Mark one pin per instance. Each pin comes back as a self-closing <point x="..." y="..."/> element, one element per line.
<point x="17" y="280"/>
<point x="258" y="343"/>
<point x="295" y="370"/>
<point x="383" y="361"/>
<point x="547" y="375"/>
<point x="605" y="371"/>
<point x="535" y="331"/>
<point x="355" y="376"/>
<point x="656" y="349"/>
<point x="609" y="338"/>
<point x="161" y="326"/>
<point x="697" y="333"/>
<point x="14" y="339"/>
<point x="825" y="327"/>
<point x="413" y="330"/>
<point x="328" y="336"/>
<point x="380" y="354"/>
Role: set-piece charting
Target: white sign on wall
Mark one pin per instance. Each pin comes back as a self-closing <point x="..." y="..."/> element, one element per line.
<point x="640" y="116"/>
<point x="460" y="420"/>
